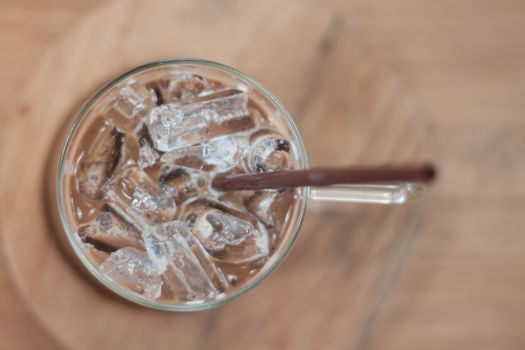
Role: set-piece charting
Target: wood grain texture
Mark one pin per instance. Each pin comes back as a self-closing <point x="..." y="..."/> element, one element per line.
<point x="462" y="284"/>
<point x="28" y="29"/>
<point x="331" y="282"/>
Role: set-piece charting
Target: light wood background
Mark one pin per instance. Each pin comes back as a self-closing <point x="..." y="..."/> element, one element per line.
<point x="446" y="274"/>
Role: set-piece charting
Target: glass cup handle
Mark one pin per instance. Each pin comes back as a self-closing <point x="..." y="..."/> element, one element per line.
<point x="392" y="193"/>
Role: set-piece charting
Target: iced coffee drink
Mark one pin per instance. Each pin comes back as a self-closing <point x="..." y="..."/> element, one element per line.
<point x="136" y="184"/>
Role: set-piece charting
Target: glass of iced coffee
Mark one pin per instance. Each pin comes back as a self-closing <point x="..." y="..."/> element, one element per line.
<point x="132" y="185"/>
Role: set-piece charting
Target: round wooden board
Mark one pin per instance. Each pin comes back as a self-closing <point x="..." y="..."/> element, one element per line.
<point x="349" y="109"/>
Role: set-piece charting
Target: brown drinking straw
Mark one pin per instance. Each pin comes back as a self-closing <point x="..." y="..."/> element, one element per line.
<point x="325" y="177"/>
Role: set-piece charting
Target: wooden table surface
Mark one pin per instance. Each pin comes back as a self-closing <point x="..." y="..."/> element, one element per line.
<point x="460" y="282"/>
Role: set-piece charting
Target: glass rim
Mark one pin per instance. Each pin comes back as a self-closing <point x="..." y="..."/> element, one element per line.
<point x="268" y="268"/>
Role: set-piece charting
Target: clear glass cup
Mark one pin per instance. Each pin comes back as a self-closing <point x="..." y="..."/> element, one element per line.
<point x="61" y="163"/>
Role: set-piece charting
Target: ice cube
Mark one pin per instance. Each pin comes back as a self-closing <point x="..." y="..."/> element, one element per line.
<point x="143" y="145"/>
<point x="186" y="267"/>
<point x="100" y="160"/>
<point x="136" y="197"/>
<point x="170" y="128"/>
<point x="270" y="153"/>
<point x="131" y="269"/>
<point x="190" y="156"/>
<point x="134" y="100"/>
<point x="230" y="238"/>
<point x="259" y="205"/>
<point x="225" y="152"/>
<point x="182" y="183"/>
<point x="219" y="106"/>
<point x="159" y="91"/>
<point x="235" y="199"/>
<point x="186" y="86"/>
<point x="204" y="258"/>
<point x="91" y="177"/>
<point x="271" y="207"/>
<point x="258" y="117"/>
<point x="237" y="125"/>
<point x="178" y="125"/>
<point x="147" y="156"/>
<point x="109" y="232"/>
